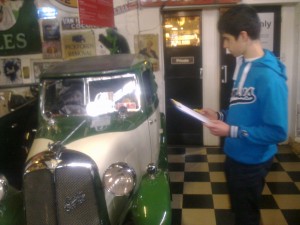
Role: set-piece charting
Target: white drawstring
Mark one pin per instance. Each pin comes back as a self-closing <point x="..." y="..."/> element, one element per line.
<point x="243" y="78"/>
<point x="238" y="63"/>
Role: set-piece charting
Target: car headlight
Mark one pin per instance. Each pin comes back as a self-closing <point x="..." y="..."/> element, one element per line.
<point x="3" y="187"/>
<point x="119" y="179"/>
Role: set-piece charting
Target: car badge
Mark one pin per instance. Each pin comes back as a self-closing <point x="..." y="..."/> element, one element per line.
<point x="73" y="202"/>
<point x="53" y="163"/>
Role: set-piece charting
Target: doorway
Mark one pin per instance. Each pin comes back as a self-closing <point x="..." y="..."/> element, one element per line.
<point x="183" y="75"/>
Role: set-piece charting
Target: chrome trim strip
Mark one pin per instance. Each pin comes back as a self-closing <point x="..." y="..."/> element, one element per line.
<point x="50" y="160"/>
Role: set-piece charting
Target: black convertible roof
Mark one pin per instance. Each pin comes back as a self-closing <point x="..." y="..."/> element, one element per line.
<point x="94" y="65"/>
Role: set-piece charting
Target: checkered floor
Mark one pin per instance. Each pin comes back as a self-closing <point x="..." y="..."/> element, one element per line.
<point x="200" y="194"/>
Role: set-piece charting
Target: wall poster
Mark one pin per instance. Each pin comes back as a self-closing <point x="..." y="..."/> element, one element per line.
<point x="10" y="71"/>
<point x="51" y="39"/>
<point x="19" y="28"/>
<point x="78" y="44"/>
<point x="73" y="23"/>
<point x="98" y="13"/>
<point x="147" y="45"/>
<point x="267" y="29"/>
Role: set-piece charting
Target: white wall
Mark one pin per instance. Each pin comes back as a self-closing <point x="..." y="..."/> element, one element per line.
<point x="297" y="80"/>
<point x="211" y="67"/>
<point x="290" y="58"/>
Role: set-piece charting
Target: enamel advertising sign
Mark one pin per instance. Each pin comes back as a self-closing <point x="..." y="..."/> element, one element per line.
<point x="19" y="29"/>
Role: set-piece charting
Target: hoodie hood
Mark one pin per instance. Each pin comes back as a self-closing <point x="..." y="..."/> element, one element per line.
<point x="267" y="61"/>
<point x="272" y="62"/>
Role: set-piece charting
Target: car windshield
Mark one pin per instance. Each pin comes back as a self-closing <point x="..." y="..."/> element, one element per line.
<point x="91" y="96"/>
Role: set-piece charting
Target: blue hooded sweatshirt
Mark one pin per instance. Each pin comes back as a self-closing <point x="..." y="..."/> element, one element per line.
<point x="258" y="109"/>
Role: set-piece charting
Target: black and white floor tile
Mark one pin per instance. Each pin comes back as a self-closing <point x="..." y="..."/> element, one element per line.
<point x="199" y="192"/>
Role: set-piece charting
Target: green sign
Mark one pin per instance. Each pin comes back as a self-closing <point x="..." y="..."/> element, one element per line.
<point x="19" y="28"/>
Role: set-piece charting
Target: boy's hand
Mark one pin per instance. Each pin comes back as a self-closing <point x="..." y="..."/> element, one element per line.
<point x="218" y="128"/>
<point x="209" y="113"/>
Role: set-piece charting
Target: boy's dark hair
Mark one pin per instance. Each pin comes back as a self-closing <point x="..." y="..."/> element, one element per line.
<point x="240" y="18"/>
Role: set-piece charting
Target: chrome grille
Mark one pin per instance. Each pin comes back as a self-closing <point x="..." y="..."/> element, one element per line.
<point x="64" y="194"/>
<point x="76" y="200"/>
<point x="40" y="198"/>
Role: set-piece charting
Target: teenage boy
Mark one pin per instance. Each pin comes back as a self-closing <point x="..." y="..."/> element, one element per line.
<point x="256" y="119"/>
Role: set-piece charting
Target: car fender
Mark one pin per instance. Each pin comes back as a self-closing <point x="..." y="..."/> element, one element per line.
<point x="152" y="203"/>
<point x="12" y="209"/>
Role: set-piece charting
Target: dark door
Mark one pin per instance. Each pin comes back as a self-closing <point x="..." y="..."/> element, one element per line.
<point x="183" y="81"/>
<point x="270" y="37"/>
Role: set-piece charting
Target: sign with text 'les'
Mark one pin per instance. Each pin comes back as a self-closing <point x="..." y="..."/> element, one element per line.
<point x="98" y="13"/>
<point x="19" y="29"/>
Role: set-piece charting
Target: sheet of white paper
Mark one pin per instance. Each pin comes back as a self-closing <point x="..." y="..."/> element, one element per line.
<point x="190" y="112"/>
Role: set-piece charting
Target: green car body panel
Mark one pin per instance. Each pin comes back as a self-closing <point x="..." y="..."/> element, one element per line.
<point x="149" y="205"/>
<point x="12" y="208"/>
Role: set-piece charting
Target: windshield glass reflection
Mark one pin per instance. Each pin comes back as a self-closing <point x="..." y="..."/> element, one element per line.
<point x="91" y="96"/>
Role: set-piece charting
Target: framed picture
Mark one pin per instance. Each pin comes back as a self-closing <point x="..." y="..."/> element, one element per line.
<point x="10" y="72"/>
<point x="147" y="45"/>
<point x="51" y="30"/>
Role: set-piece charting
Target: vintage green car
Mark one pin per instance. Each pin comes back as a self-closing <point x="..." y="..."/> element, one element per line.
<point x="99" y="156"/>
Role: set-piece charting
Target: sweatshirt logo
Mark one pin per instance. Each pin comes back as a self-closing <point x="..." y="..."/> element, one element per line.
<point x="246" y="96"/>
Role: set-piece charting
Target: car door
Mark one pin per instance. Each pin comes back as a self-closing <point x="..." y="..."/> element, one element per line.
<point x="153" y="120"/>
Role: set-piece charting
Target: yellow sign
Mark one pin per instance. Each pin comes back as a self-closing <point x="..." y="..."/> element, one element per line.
<point x="78" y="44"/>
<point x="69" y="3"/>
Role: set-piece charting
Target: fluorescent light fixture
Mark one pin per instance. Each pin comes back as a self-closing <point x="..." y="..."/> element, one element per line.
<point x="47" y="13"/>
